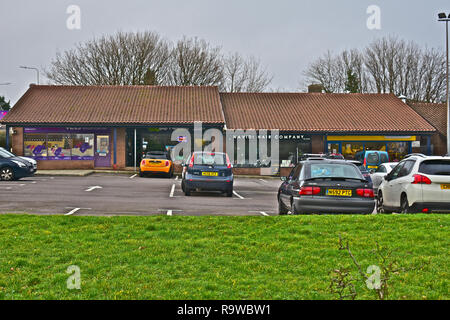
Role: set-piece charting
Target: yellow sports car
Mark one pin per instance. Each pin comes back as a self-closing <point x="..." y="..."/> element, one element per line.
<point x="156" y="162"/>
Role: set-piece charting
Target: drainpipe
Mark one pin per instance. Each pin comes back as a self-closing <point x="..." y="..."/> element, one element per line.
<point x="7" y="137"/>
<point x="135" y="150"/>
<point x="115" y="147"/>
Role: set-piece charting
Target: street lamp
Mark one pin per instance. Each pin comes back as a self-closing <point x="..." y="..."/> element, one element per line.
<point x="443" y="17"/>
<point x="31" y="68"/>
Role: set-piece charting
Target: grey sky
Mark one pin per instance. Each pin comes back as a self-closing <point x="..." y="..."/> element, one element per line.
<point x="285" y="34"/>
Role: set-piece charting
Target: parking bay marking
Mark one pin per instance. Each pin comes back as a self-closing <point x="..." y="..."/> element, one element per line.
<point x="92" y="188"/>
<point x="238" y="195"/>
<point x="74" y="210"/>
<point x="134" y="175"/>
<point x="172" y="191"/>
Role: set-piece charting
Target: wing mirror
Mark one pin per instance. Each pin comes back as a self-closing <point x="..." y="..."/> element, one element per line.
<point x="283" y="178"/>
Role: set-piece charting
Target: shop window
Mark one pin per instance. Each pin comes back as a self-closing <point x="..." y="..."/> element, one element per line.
<point x="83" y="147"/>
<point x="59" y="146"/>
<point x="397" y="150"/>
<point x="350" y="149"/>
<point x="375" y="146"/>
<point x="35" y="146"/>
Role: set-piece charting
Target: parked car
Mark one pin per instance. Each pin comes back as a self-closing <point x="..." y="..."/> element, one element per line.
<point x="363" y="169"/>
<point x="156" y="162"/>
<point x="325" y="186"/>
<point x="372" y="158"/>
<point x="378" y="174"/>
<point x="14" y="168"/>
<point x="211" y="171"/>
<point x="30" y="160"/>
<point x="417" y="184"/>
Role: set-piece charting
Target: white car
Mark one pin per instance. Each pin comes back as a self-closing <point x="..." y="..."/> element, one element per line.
<point x="417" y="184"/>
<point x="378" y="174"/>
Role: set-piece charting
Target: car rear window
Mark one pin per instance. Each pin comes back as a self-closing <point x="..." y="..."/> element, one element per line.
<point x="435" y="167"/>
<point x="207" y="158"/>
<point x="333" y="170"/>
<point x="157" y="155"/>
<point x="384" y="158"/>
<point x="373" y="158"/>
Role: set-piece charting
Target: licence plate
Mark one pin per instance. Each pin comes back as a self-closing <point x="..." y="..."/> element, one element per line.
<point x="210" y="174"/>
<point x="339" y="192"/>
<point x="445" y="186"/>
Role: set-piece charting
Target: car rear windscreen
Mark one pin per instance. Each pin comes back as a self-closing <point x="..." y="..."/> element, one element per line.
<point x="331" y="170"/>
<point x="373" y="158"/>
<point x="157" y="155"/>
<point x="435" y="167"/>
<point x="205" y="158"/>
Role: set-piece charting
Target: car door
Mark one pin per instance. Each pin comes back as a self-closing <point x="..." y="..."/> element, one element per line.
<point x="287" y="186"/>
<point x="399" y="184"/>
<point x="388" y="198"/>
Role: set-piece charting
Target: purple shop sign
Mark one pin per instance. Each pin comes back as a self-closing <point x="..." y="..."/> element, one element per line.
<point x="67" y="130"/>
<point x="2" y="114"/>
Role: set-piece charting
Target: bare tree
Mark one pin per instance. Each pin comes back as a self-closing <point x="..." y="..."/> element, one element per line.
<point x="387" y="65"/>
<point x="195" y="62"/>
<point x="120" y="59"/>
<point x="244" y="75"/>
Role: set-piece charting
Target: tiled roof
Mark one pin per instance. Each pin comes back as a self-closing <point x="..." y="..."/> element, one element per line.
<point x="319" y="112"/>
<point x="434" y="113"/>
<point x="116" y="104"/>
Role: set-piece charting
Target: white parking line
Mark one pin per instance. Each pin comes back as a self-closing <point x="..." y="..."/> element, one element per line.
<point x="238" y="195"/>
<point x="92" y="188"/>
<point x="262" y="180"/>
<point x="176" y="178"/>
<point x="134" y="175"/>
<point x="72" y="211"/>
<point x="172" y="191"/>
<point x="169" y="212"/>
<point x="263" y="213"/>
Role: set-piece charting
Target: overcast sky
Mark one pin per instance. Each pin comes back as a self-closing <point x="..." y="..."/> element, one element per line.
<point x="285" y="34"/>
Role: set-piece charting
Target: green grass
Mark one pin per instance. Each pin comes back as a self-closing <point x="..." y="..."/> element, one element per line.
<point x="160" y="257"/>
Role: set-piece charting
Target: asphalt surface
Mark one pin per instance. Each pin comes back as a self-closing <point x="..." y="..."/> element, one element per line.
<point x="121" y="194"/>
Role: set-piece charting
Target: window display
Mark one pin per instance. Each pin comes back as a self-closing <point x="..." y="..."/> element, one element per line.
<point x="83" y="147"/>
<point x="59" y="146"/>
<point x="35" y="146"/>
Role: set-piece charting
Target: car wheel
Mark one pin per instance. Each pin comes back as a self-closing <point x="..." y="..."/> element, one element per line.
<point x="230" y="193"/>
<point x="380" y="204"/>
<point x="404" y="204"/>
<point x="281" y="209"/>
<point x="187" y="192"/>
<point x="141" y="174"/>
<point x="182" y="186"/>
<point x="6" y="174"/>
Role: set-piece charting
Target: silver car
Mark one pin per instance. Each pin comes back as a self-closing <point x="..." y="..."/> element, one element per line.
<point x="378" y="174"/>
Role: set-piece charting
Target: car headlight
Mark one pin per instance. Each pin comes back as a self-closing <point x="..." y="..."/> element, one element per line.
<point x="20" y="164"/>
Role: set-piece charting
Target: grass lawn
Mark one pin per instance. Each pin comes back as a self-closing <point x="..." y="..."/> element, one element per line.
<point x="160" y="257"/>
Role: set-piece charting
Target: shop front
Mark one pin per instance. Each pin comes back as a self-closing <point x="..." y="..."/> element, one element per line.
<point x="89" y="146"/>
<point x="350" y="145"/>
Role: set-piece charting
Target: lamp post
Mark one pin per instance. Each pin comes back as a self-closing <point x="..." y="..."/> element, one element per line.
<point x="444" y="18"/>
<point x="32" y="68"/>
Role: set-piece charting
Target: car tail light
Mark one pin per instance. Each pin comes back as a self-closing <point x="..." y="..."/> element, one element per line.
<point x="366" y="193"/>
<point x="365" y="162"/>
<point x="228" y="162"/>
<point x="425" y="210"/>
<point x="143" y="162"/>
<point x="167" y="163"/>
<point x="420" y="179"/>
<point x="191" y="163"/>
<point x="309" y="191"/>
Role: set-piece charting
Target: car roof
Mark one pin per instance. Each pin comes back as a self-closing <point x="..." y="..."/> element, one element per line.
<point x="329" y="161"/>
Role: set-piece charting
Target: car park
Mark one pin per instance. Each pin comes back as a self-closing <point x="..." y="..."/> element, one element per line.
<point x="363" y="170"/>
<point x="378" y="174"/>
<point x="14" y="168"/>
<point x="208" y="171"/>
<point x="418" y="183"/>
<point x="158" y="162"/>
<point x="325" y="186"/>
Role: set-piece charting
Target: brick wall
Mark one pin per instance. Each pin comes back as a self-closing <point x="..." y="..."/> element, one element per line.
<point x="17" y="141"/>
<point x="317" y="143"/>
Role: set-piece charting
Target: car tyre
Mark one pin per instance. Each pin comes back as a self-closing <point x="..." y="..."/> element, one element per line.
<point x="281" y="209"/>
<point x="293" y="209"/>
<point x="380" y="204"/>
<point x="187" y="192"/>
<point x="182" y="186"/>
<point x="6" y="174"/>
<point x="404" y="204"/>
<point x="141" y="174"/>
<point x="229" y="193"/>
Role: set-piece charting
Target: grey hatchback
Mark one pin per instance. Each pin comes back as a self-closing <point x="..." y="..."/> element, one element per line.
<point x="325" y="186"/>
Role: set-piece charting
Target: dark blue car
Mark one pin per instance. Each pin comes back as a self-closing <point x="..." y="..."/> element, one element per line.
<point x="14" y="168"/>
<point x="210" y="171"/>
